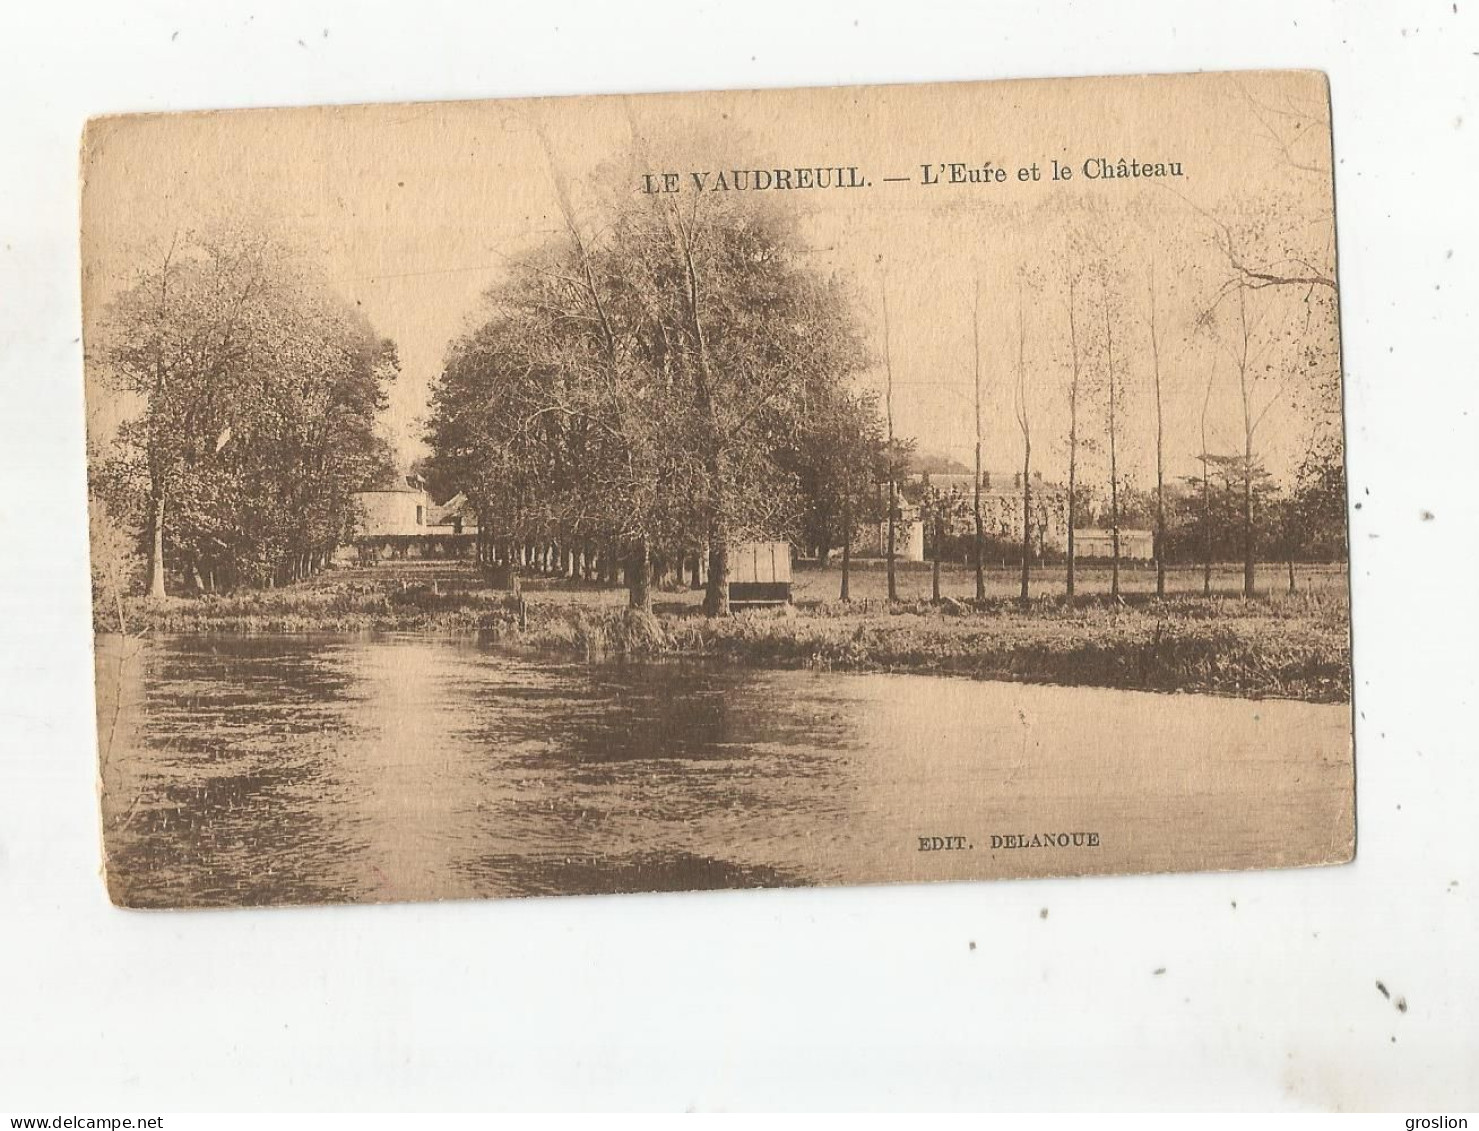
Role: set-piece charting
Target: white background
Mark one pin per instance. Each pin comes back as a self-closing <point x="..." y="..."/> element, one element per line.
<point x="854" y="998"/>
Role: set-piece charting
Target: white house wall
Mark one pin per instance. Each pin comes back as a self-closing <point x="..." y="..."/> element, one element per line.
<point x="390" y="512"/>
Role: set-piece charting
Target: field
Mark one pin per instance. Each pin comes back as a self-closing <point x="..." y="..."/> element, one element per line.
<point x="1292" y="645"/>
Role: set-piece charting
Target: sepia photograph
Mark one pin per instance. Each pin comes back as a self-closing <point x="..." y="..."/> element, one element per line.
<point x="727" y="490"/>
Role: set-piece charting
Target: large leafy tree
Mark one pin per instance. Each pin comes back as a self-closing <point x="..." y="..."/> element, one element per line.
<point x="256" y="391"/>
<point x="648" y="380"/>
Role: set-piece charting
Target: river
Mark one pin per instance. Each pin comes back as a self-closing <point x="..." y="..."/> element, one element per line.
<point x="312" y="769"/>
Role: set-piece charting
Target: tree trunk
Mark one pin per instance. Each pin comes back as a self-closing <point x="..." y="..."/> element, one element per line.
<point x="1114" y="483"/>
<point x="1072" y="442"/>
<point x="1026" y="520"/>
<point x="716" y="596"/>
<point x="893" y="488"/>
<point x="1160" y="473"/>
<point x="1249" y="566"/>
<point x="1249" y="424"/>
<point x="156" y="549"/>
<point x="1206" y="525"/>
<point x="935" y="579"/>
<point x="1024" y="422"/>
<point x="980" y="547"/>
<point x="639" y="578"/>
<point x="893" y="580"/>
<point x="1160" y="552"/>
<point x="1207" y="491"/>
<point x="980" y="526"/>
<point x="1072" y="476"/>
<point x="846" y="546"/>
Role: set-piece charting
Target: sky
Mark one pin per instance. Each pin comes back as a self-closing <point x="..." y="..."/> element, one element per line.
<point x="415" y="210"/>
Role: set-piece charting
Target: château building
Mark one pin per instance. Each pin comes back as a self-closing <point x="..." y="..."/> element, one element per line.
<point x="1001" y="507"/>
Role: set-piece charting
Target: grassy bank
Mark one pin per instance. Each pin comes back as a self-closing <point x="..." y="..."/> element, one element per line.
<point x="1286" y="645"/>
<point x="1184" y="644"/>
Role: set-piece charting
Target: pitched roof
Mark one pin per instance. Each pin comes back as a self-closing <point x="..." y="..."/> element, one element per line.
<point x="455" y="507"/>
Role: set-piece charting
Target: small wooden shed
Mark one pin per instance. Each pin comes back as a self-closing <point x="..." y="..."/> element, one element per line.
<point x="759" y="574"/>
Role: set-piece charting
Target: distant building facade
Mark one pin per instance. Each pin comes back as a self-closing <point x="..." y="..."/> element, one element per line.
<point x="395" y="506"/>
<point x="1001" y="508"/>
<point x="872" y="541"/>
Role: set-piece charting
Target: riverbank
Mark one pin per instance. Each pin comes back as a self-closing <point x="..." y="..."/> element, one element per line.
<point x="1293" y="646"/>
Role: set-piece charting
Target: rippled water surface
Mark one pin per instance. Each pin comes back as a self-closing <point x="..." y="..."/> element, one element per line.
<point x="328" y="769"/>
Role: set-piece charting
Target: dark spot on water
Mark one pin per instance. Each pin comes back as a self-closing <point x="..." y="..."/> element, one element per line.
<point x="1427" y="516"/>
<point x="1401" y="1005"/>
<point x="1384" y="991"/>
<point x="1235" y="905"/>
<point x="1159" y="970"/>
<point x="973" y="944"/>
<point x="1043" y="914"/>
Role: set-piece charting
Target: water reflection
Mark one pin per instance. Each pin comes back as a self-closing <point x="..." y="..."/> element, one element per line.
<point x="326" y="769"/>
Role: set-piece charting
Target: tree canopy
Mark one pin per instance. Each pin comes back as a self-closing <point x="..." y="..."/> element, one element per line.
<point x="661" y="379"/>
<point x="257" y="391"/>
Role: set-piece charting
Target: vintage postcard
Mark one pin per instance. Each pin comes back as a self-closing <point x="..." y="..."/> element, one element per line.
<point x="717" y="490"/>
